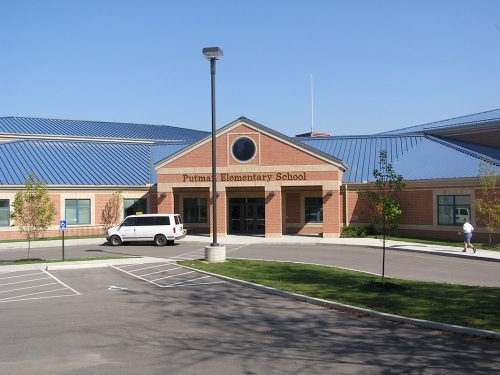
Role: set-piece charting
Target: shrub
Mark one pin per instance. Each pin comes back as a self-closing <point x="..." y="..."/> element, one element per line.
<point x="351" y="231"/>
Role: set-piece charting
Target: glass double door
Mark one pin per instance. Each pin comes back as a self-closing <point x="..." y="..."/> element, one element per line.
<point x="247" y="215"/>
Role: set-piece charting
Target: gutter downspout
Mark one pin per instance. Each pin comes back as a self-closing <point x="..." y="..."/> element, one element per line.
<point x="346" y="207"/>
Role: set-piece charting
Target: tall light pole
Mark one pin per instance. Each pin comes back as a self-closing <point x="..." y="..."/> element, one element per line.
<point x="213" y="54"/>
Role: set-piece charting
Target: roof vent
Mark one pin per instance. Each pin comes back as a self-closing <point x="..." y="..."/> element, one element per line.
<point x="314" y="134"/>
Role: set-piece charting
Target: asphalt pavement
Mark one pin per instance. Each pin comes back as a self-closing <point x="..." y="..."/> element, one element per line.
<point x="289" y="239"/>
<point x="450" y="251"/>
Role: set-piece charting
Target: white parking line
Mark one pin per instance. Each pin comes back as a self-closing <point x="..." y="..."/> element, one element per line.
<point x="24" y="281"/>
<point x="21" y="297"/>
<point x="145" y="268"/>
<point x="20" y="292"/>
<point x="168" y="277"/>
<point x="186" y="282"/>
<point x="162" y="271"/>
<point x="23" y="275"/>
<point x="131" y="274"/>
<point x="200" y="253"/>
<point x="59" y="281"/>
<point x="28" y="287"/>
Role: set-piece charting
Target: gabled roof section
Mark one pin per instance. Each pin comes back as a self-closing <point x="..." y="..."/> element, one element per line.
<point x="361" y="153"/>
<point x="435" y="159"/>
<point x="26" y="127"/>
<point x="262" y="129"/>
<point x="81" y="163"/>
<point x="491" y="154"/>
<point x="471" y="122"/>
<point x="412" y="156"/>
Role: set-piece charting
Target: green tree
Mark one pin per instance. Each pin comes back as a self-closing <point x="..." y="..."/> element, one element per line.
<point x="383" y="200"/>
<point x="489" y="205"/>
<point x="33" y="210"/>
<point x="111" y="213"/>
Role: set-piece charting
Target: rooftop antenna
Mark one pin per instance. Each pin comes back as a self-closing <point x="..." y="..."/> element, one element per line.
<point x="312" y="104"/>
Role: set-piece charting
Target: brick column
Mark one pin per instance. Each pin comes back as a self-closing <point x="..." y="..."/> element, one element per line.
<point x="331" y="213"/>
<point x="165" y="202"/>
<point x="273" y="214"/>
<point x="222" y="213"/>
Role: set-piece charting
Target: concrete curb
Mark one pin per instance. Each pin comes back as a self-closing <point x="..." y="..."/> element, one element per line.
<point x="370" y="313"/>
<point x="52" y="267"/>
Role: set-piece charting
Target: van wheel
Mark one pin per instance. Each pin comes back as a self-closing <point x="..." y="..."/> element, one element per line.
<point x="160" y="240"/>
<point x="115" y="241"/>
<point x="170" y="242"/>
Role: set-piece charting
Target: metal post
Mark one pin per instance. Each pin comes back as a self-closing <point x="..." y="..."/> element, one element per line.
<point x="214" y="157"/>
<point x="214" y="253"/>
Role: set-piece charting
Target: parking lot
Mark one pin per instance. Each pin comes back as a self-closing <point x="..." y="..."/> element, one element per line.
<point x="32" y="284"/>
<point x="158" y="318"/>
<point x="167" y="275"/>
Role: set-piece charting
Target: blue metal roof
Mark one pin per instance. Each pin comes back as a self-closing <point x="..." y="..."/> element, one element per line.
<point x="121" y="163"/>
<point x="416" y="157"/>
<point x="476" y="118"/>
<point x="97" y="129"/>
<point x="361" y="153"/>
<point x="82" y="163"/>
<point x="488" y="152"/>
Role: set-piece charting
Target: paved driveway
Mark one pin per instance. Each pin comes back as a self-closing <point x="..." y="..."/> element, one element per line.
<point x="123" y="324"/>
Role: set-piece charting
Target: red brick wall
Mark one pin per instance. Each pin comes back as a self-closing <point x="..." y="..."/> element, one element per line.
<point x="271" y="152"/>
<point x="292" y="208"/>
<point x="273" y="214"/>
<point x="416" y="206"/>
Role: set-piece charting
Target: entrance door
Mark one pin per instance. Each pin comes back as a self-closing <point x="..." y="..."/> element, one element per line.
<point x="247" y="215"/>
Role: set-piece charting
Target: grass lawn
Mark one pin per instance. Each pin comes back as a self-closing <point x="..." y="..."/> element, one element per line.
<point x="467" y="306"/>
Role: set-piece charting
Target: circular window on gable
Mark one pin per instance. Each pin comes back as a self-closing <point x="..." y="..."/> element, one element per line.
<point x="243" y="149"/>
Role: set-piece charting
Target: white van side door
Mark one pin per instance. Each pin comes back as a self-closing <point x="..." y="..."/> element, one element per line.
<point x="127" y="229"/>
<point x="145" y="229"/>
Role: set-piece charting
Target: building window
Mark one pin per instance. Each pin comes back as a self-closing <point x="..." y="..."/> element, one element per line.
<point x="4" y="213"/>
<point x="195" y="210"/>
<point x="134" y="206"/>
<point x="243" y="149"/>
<point x="453" y="209"/>
<point x="77" y="211"/>
<point x="314" y="210"/>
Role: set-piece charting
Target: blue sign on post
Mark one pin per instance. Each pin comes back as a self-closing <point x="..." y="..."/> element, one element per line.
<point x="62" y="225"/>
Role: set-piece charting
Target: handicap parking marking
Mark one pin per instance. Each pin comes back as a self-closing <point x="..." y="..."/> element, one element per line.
<point x="30" y="285"/>
<point x="171" y="275"/>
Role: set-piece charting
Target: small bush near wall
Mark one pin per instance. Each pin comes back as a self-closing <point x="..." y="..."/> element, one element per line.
<point x="351" y="231"/>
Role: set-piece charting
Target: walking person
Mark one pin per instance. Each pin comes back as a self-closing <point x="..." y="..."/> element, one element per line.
<point x="467" y="230"/>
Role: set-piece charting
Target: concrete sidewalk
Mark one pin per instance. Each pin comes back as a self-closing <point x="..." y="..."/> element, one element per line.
<point x="287" y="239"/>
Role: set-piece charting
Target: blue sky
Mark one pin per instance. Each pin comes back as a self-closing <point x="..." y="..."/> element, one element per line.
<point x="376" y="65"/>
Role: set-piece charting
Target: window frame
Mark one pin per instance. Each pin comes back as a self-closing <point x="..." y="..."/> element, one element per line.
<point x="444" y="208"/>
<point x="316" y="204"/>
<point x="5" y="208"/>
<point x="198" y="208"/>
<point x="135" y="205"/>
<point x="79" y="211"/>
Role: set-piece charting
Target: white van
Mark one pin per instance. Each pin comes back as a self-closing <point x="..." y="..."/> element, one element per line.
<point x="162" y="229"/>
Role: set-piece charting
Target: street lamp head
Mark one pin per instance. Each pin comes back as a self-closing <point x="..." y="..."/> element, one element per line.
<point x="213" y="53"/>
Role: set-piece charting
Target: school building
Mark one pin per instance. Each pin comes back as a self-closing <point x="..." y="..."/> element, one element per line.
<point x="267" y="183"/>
